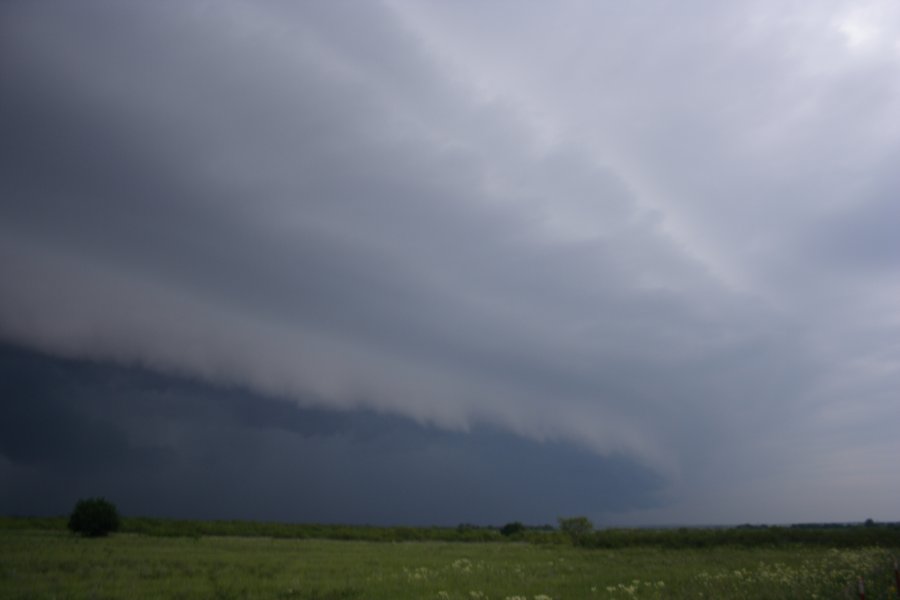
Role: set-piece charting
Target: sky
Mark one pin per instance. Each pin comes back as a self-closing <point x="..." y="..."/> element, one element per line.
<point x="403" y="262"/>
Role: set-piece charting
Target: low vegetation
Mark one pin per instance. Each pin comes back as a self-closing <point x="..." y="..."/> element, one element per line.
<point x="578" y="533"/>
<point x="94" y="517"/>
<point x="55" y="564"/>
<point x="156" y="558"/>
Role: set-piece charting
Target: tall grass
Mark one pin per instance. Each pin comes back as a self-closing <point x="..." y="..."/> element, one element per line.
<point x="55" y="564"/>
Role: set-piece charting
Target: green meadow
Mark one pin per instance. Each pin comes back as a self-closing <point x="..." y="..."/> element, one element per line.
<point x="44" y="561"/>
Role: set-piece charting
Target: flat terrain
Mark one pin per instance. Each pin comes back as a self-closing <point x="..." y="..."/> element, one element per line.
<point x="56" y="564"/>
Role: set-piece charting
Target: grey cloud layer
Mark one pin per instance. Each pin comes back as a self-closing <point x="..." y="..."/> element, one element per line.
<point x="165" y="446"/>
<point x="345" y="207"/>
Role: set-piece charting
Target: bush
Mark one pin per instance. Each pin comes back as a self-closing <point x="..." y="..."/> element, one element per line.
<point x="577" y="528"/>
<point x="512" y="528"/>
<point x="94" y="517"/>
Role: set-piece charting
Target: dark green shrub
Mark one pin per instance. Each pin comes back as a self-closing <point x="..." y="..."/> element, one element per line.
<point x="512" y="528"/>
<point x="94" y="517"/>
<point x="577" y="528"/>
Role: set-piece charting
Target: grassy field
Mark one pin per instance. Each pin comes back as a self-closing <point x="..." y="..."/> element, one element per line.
<point x="55" y="564"/>
<point x="885" y="535"/>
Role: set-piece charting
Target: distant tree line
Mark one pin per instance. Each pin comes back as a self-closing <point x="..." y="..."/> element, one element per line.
<point x="578" y="531"/>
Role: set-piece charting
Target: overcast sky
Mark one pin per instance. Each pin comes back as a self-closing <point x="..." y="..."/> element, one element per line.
<point x="434" y="262"/>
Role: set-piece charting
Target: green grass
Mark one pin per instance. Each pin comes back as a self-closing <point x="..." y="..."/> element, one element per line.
<point x="831" y="536"/>
<point x="189" y="528"/>
<point x="51" y="563"/>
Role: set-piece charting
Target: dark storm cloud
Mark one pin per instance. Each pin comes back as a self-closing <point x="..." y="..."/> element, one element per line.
<point x="43" y="425"/>
<point x="383" y="241"/>
<point x="563" y="226"/>
<point x="163" y="445"/>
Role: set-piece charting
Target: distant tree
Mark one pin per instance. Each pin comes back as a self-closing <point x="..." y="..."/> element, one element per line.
<point x="869" y="523"/>
<point x="577" y="528"/>
<point x="94" y="517"/>
<point x="512" y="528"/>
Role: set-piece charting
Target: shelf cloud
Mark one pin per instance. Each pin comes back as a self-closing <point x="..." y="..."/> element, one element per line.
<point x="662" y="235"/>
